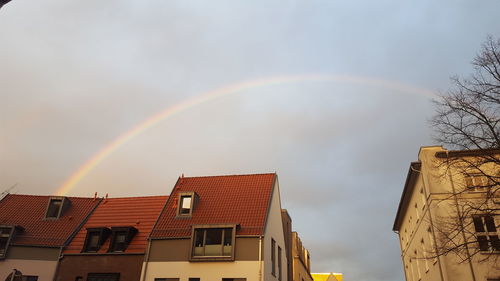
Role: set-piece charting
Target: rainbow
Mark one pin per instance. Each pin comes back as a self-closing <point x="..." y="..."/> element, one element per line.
<point x="107" y="150"/>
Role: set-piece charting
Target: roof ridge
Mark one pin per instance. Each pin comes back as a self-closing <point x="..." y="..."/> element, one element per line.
<point x="232" y="175"/>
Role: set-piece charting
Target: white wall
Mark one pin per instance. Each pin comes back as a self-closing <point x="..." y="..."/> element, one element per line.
<point x="45" y="270"/>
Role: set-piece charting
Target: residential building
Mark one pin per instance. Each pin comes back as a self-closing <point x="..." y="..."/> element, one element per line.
<point x="226" y="228"/>
<point x="440" y="193"/>
<point x="111" y="244"/>
<point x="329" y="276"/>
<point x="301" y="260"/>
<point x="34" y="230"/>
<point x="287" y="229"/>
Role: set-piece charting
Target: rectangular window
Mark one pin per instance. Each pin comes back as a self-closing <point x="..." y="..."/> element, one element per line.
<point x="273" y="257"/>
<point x="54" y="208"/>
<point x="103" y="277"/>
<point x="279" y="263"/>
<point x="121" y="238"/>
<point x="216" y="242"/>
<point x="185" y="204"/>
<point x="5" y="236"/>
<point x="29" y="278"/>
<point x="193" y="279"/>
<point x="486" y="233"/>
<point x="477" y="182"/>
<point x="234" y="279"/>
<point x="95" y="238"/>
<point x="167" y="279"/>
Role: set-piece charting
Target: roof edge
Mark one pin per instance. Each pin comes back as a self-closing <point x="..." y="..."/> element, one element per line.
<point x="468" y="152"/>
<point x="413" y="172"/>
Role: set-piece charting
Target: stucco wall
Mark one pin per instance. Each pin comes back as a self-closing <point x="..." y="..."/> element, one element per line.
<point x="210" y="271"/>
<point x="43" y="269"/>
<point x="274" y="230"/>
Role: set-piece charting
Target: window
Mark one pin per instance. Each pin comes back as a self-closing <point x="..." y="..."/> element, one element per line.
<point x="120" y="238"/>
<point x="279" y="263"/>
<point x="54" y="208"/>
<point x="193" y="279"/>
<point x="477" y="182"/>
<point x="5" y="235"/>
<point x="95" y="238"/>
<point x="486" y="233"/>
<point x="186" y="204"/>
<point x="29" y="278"/>
<point x="273" y="257"/>
<point x="166" y="279"/>
<point x="103" y="277"/>
<point x="234" y="279"/>
<point x="213" y="242"/>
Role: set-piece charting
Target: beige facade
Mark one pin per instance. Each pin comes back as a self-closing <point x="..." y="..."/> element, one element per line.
<point x="433" y="195"/>
<point x="31" y="261"/>
<point x="301" y="260"/>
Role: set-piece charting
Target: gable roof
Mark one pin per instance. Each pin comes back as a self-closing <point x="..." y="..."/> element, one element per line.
<point x="28" y="211"/>
<point x="139" y="212"/>
<point x="234" y="199"/>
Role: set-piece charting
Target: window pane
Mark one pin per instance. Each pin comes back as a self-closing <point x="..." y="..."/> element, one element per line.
<point x="495" y="242"/>
<point x="3" y="245"/>
<point x="54" y="206"/>
<point x="193" y="279"/>
<point x="483" y="243"/>
<point x="490" y="224"/>
<point x="478" y="224"/>
<point x="213" y="242"/>
<point x="228" y="237"/>
<point x="185" y="206"/>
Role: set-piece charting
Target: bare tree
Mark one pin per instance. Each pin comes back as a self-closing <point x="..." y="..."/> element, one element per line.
<point x="467" y="119"/>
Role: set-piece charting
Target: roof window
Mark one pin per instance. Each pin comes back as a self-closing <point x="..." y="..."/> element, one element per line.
<point x="186" y="204"/>
<point x="121" y="238"/>
<point x="95" y="238"/>
<point x="55" y="207"/>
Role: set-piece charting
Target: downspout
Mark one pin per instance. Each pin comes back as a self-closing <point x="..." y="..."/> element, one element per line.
<point x="260" y="258"/>
<point x="59" y="258"/>
<point x="462" y="227"/>
<point x="146" y="261"/>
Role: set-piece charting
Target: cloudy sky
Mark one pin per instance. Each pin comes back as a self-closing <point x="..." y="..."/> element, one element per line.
<point x="76" y="75"/>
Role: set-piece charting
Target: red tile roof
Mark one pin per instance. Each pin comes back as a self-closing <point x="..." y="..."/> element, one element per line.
<point x="139" y="212"/>
<point x="235" y="199"/>
<point x="28" y="211"/>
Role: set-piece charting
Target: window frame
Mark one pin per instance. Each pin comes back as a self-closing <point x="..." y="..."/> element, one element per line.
<point x="130" y="233"/>
<point x="104" y="232"/>
<point x="486" y="234"/>
<point x="273" y="257"/>
<point x="115" y="275"/>
<point x="59" y="212"/>
<point x="472" y="185"/>
<point x="180" y="197"/>
<point x="9" y="239"/>
<point x="232" y="227"/>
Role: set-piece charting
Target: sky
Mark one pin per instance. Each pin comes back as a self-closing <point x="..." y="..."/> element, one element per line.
<point x="340" y="111"/>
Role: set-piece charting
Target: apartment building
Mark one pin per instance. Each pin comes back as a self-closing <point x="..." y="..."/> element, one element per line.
<point x="301" y="260"/>
<point x="443" y="192"/>
<point x="112" y="243"/>
<point x="34" y="230"/>
<point x="226" y="228"/>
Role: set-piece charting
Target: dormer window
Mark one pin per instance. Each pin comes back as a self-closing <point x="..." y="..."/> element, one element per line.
<point x="186" y="204"/>
<point x="121" y="238"/>
<point x="5" y="236"/>
<point x="95" y="238"/>
<point x="55" y="207"/>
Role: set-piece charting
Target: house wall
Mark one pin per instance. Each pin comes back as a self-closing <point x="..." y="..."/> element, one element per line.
<point x="37" y="261"/>
<point x="274" y="230"/>
<point x="418" y="238"/>
<point x="129" y="266"/>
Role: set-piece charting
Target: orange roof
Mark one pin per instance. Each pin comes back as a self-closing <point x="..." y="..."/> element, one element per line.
<point x="28" y="211"/>
<point x="235" y="199"/>
<point x="139" y="212"/>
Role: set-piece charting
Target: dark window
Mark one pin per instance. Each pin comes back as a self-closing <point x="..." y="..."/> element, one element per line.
<point x="213" y="242"/>
<point x="273" y="257"/>
<point x="193" y="279"/>
<point x="103" y="277"/>
<point x="95" y="238"/>
<point x="5" y="235"/>
<point x="166" y="279"/>
<point x="121" y="238"/>
<point x="234" y="279"/>
<point x="486" y="233"/>
<point x="29" y="278"/>
<point x="54" y="208"/>
<point x="279" y="263"/>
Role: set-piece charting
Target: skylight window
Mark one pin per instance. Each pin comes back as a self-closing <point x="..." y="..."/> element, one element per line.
<point x="186" y="204"/>
<point x="54" y="208"/>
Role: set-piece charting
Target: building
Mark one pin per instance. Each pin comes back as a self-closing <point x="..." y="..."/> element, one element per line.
<point x="112" y="243"/>
<point x="441" y="187"/>
<point x="34" y="230"/>
<point x="329" y="276"/>
<point x="226" y="228"/>
<point x="301" y="260"/>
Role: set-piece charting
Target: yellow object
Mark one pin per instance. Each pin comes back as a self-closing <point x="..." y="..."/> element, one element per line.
<point x="330" y="276"/>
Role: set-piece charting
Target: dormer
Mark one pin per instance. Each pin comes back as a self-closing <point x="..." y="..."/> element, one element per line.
<point x="56" y="207"/>
<point x="7" y="233"/>
<point x="186" y="202"/>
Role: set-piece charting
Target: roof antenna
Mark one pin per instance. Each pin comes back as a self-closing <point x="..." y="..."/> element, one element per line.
<point x="7" y="191"/>
<point x="106" y="197"/>
<point x="95" y="195"/>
